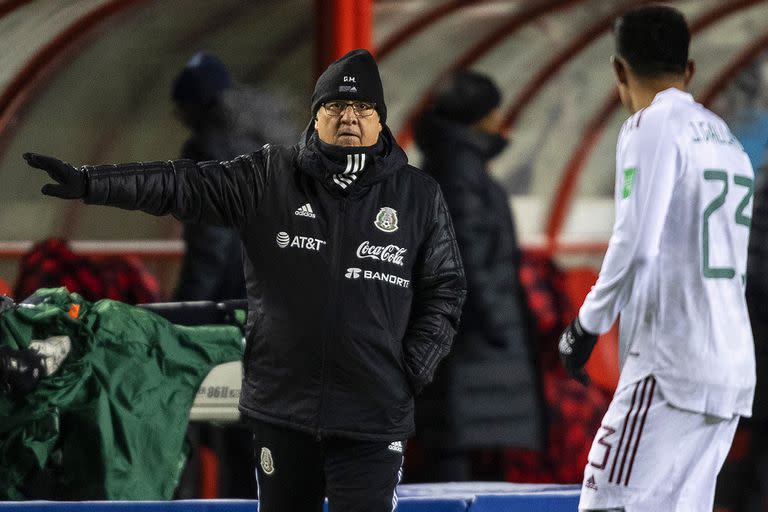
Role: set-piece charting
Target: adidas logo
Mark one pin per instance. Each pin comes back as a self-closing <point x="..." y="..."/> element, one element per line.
<point x="396" y="446"/>
<point x="306" y="211"/>
<point x="590" y="483"/>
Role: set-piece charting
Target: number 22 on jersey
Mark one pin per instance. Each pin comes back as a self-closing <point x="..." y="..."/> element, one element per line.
<point x="742" y="185"/>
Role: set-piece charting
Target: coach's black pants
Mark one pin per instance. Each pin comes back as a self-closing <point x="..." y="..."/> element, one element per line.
<point x="295" y="471"/>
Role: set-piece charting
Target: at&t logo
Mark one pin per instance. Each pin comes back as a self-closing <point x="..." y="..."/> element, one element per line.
<point x="283" y="239"/>
<point x="309" y="243"/>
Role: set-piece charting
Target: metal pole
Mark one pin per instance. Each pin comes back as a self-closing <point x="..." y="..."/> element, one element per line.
<point x="341" y="26"/>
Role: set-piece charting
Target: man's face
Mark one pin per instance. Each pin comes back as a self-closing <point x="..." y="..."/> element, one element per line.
<point x="337" y="123"/>
<point x="492" y="122"/>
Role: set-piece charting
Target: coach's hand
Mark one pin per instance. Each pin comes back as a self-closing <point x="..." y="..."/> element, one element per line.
<point x="70" y="181"/>
<point x="575" y="347"/>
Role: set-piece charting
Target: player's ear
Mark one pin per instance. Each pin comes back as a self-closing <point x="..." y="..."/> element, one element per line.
<point x="690" y="70"/>
<point x="619" y="69"/>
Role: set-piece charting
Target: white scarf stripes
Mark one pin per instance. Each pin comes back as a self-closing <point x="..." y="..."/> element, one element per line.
<point x="355" y="166"/>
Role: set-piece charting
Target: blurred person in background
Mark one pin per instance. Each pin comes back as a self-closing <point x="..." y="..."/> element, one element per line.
<point x="675" y="270"/>
<point x="226" y="119"/>
<point x="354" y="283"/>
<point x="486" y="395"/>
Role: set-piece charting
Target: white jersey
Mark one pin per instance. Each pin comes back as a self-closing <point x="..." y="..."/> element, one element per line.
<point x="676" y="261"/>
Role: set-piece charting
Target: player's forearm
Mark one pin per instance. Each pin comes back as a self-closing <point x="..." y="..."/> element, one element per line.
<point x="623" y="265"/>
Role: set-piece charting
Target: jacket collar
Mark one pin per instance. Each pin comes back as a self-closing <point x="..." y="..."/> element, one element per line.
<point x="387" y="159"/>
<point x="673" y="94"/>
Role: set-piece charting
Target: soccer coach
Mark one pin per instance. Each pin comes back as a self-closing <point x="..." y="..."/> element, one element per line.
<point x="354" y="282"/>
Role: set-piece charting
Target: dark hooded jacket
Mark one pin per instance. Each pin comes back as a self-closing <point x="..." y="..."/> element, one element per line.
<point x="486" y="394"/>
<point x="354" y="296"/>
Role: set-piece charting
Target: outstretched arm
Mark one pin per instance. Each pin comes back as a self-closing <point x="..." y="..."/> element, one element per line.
<point x="221" y="193"/>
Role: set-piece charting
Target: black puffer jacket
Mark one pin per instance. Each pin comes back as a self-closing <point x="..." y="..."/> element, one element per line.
<point x="353" y="300"/>
<point x="486" y="394"/>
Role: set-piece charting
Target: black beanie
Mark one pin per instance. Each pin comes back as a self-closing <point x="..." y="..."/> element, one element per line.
<point x="203" y="78"/>
<point x="354" y="76"/>
<point x="466" y="97"/>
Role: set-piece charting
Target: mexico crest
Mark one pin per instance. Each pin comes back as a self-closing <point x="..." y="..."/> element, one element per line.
<point x="386" y="220"/>
<point x="267" y="464"/>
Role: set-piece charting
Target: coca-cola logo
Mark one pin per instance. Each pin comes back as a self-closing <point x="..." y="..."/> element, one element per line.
<point x="387" y="253"/>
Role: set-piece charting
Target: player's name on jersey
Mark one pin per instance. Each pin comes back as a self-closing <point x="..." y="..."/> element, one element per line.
<point x="704" y="131"/>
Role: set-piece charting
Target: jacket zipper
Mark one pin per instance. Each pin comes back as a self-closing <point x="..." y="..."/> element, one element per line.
<point x="335" y="312"/>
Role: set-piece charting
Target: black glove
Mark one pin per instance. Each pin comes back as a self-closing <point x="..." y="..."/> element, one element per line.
<point x="70" y="180"/>
<point x="575" y="347"/>
<point x="20" y="371"/>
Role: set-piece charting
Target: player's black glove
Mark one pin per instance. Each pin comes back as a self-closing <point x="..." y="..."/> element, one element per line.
<point x="20" y="371"/>
<point x="575" y="347"/>
<point x="70" y="181"/>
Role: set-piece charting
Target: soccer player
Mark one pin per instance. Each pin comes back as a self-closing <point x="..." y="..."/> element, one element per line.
<point x="675" y="271"/>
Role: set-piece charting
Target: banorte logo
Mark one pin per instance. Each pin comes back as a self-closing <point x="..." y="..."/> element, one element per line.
<point x="370" y="275"/>
<point x="283" y="239"/>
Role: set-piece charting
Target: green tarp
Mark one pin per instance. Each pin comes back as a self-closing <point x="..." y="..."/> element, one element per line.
<point x="110" y="424"/>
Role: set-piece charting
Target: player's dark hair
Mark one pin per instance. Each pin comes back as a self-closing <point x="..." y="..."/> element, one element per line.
<point x="653" y="40"/>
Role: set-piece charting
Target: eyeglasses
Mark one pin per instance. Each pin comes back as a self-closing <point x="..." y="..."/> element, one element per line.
<point x="360" y="108"/>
